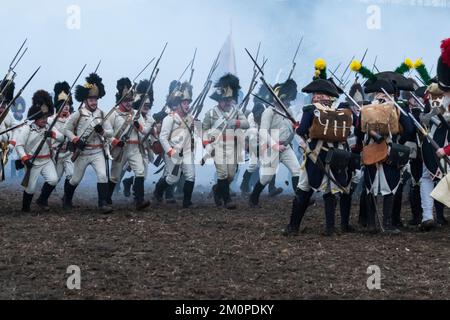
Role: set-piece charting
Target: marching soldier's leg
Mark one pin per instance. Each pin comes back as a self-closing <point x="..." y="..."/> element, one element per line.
<point x="345" y="204"/>
<point x="289" y="159"/>
<point x="99" y="165"/>
<point x="51" y="180"/>
<point x="397" y="207"/>
<point x="137" y="166"/>
<point x="127" y="183"/>
<point x="116" y="173"/>
<point x="29" y="191"/>
<point x="362" y="218"/>
<point x="416" y="205"/>
<point x="227" y="201"/>
<point x="370" y="202"/>
<point x="426" y="187"/>
<point x="330" y="209"/>
<point x="79" y="168"/>
<point x="60" y="168"/>
<point x="267" y="172"/>
<point x="217" y="189"/>
<point x="416" y="166"/>
<point x="440" y="219"/>
<point x="388" y="205"/>
<point x="273" y="190"/>
<point x="299" y="204"/>
<point x="162" y="185"/>
<point x="188" y="188"/>
<point x="245" y="184"/>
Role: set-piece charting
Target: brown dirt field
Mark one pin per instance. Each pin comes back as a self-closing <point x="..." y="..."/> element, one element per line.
<point x="208" y="253"/>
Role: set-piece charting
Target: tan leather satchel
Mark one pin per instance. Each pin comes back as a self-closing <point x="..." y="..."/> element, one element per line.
<point x="331" y="125"/>
<point x="375" y="153"/>
<point x="381" y="118"/>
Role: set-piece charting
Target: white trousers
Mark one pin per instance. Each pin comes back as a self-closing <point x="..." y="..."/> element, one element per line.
<point x="133" y="156"/>
<point x="185" y="166"/>
<point x="269" y="167"/>
<point x="426" y="187"/>
<point x="96" y="161"/>
<point x="45" y="169"/>
<point x="64" y="166"/>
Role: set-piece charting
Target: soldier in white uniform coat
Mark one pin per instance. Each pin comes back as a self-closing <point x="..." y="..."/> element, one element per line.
<point x="7" y="140"/>
<point x="61" y="150"/>
<point x="223" y="128"/>
<point x="177" y="141"/>
<point x="126" y="145"/>
<point x="28" y="140"/>
<point x="149" y="123"/>
<point x="277" y="133"/>
<point x="87" y="130"/>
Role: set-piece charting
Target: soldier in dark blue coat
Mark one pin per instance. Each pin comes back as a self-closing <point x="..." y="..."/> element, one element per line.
<point x="330" y="177"/>
<point x="383" y="177"/>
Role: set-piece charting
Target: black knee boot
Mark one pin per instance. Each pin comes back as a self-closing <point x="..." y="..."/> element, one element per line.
<point x="330" y="210"/>
<point x="397" y="208"/>
<point x="141" y="204"/>
<point x="103" y="193"/>
<point x="227" y="202"/>
<point x="254" y="197"/>
<point x="110" y="192"/>
<point x="217" y="194"/>
<point x="170" y="196"/>
<point x="69" y="191"/>
<point x="273" y="190"/>
<point x="245" y="185"/>
<point x="127" y="183"/>
<point x="161" y="187"/>
<point x="371" y="211"/>
<point x="299" y="206"/>
<point x="388" y="207"/>
<point x="345" y="204"/>
<point x="187" y="194"/>
<point x="362" y="218"/>
<point x="440" y="219"/>
<point x="42" y="201"/>
<point x="416" y="205"/>
<point x="295" y="181"/>
<point x="26" y="202"/>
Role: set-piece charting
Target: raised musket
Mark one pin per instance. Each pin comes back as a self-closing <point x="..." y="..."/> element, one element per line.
<point x="118" y="151"/>
<point x="294" y="63"/>
<point x="8" y="107"/>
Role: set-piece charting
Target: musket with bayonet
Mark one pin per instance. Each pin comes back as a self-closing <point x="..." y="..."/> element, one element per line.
<point x="192" y="66"/>
<point x="11" y="74"/>
<point x="253" y="83"/>
<point x="11" y="103"/>
<point x="19" y="125"/>
<point x="13" y="65"/>
<point x="294" y="62"/>
<point x="26" y="177"/>
<point x="362" y="61"/>
<point x="88" y="132"/>
<point x="347" y="68"/>
<point x="197" y="106"/>
<point x="138" y="113"/>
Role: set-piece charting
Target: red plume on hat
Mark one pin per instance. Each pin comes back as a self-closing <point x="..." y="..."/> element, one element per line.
<point x="445" y="47"/>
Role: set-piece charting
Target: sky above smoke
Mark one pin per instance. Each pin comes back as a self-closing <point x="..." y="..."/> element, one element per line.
<point x="127" y="34"/>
